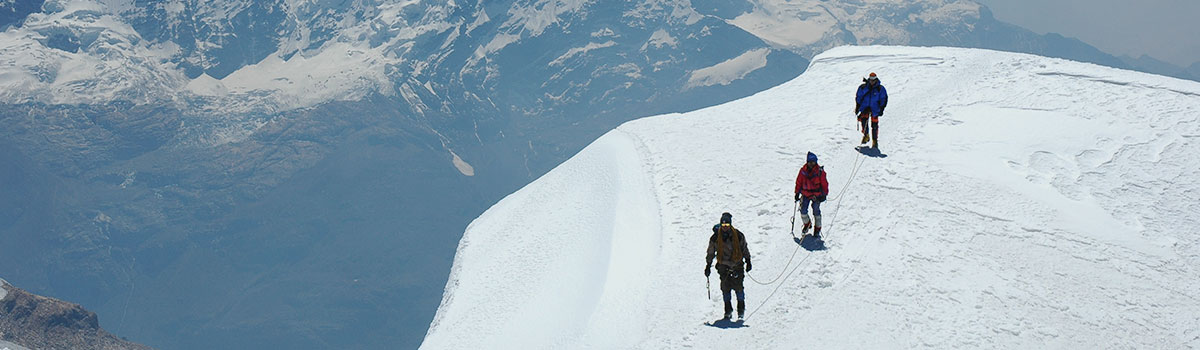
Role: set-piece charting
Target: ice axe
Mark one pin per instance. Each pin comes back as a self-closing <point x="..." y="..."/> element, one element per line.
<point x="795" y="207"/>
<point x="858" y="123"/>
<point x="706" y="280"/>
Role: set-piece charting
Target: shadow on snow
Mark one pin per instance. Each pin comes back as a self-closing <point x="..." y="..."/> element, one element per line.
<point x="725" y="323"/>
<point x="810" y="243"/>
<point x="870" y="152"/>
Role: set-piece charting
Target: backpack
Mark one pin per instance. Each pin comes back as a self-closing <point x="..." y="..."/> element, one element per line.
<point x="735" y="239"/>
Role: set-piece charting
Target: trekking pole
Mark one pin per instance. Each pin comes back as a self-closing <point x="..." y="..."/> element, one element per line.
<point x="706" y="287"/>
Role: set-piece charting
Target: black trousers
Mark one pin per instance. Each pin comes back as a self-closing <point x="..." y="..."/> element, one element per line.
<point x="731" y="281"/>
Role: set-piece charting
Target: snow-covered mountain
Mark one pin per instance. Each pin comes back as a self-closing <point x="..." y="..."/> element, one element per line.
<point x="1016" y="201"/>
<point x="238" y="55"/>
<point x="229" y="153"/>
<point x="78" y="52"/>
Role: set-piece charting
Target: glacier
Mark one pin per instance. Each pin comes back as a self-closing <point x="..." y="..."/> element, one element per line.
<point x="1016" y="201"/>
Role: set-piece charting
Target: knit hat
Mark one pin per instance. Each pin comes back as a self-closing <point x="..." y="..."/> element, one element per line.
<point x="872" y="76"/>
<point x="812" y="157"/>
<point x="726" y="218"/>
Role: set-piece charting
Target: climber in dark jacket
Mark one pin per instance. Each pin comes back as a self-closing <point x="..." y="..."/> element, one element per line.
<point x="728" y="246"/>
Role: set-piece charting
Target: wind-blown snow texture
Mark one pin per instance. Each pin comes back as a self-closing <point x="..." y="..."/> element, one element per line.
<point x="1023" y="202"/>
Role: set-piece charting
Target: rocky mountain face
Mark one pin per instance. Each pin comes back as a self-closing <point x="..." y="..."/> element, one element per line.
<point x="37" y="322"/>
<point x="267" y="174"/>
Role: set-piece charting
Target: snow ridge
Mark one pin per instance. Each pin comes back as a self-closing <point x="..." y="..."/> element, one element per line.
<point x="1018" y="201"/>
<point x="592" y="277"/>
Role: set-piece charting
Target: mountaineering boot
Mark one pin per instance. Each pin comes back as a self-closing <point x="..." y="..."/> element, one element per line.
<point x="807" y="224"/>
<point x="866" y="138"/>
<point x="728" y="308"/>
<point x="741" y="309"/>
<point x="817" y="229"/>
<point x="875" y="135"/>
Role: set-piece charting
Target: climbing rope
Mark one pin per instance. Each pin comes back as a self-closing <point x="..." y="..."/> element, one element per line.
<point x="854" y="171"/>
<point x="785" y="266"/>
<point x="855" y="167"/>
<point x="858" y="162"/>
<point x="837" y="208"/>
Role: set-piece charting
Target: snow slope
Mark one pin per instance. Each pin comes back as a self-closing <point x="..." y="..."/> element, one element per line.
<point x="4" y="345"/>
<point x="1023" y="202"/>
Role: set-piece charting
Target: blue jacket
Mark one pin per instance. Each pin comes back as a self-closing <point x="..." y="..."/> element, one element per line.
<point x="871" y="98"/>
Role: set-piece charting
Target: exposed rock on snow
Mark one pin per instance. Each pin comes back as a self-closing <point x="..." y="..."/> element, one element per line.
<point x="46" y="323"/>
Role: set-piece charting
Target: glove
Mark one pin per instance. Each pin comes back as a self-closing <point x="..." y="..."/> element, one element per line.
<point x="748" y="266"/>
<point x="707" y="270"/>
<point x="857" y="107"/>
<point x="797" y="197"/>
<point x="821" y="198"/>
<point x="880" y="113"/>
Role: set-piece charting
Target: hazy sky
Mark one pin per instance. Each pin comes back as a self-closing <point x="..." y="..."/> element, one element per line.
<point x="1168" y="30"/>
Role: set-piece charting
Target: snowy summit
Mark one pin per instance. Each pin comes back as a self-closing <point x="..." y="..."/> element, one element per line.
<point x="1016" y="201"/>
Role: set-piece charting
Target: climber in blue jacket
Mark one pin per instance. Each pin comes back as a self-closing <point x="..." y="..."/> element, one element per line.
<point x="868" y="105"/>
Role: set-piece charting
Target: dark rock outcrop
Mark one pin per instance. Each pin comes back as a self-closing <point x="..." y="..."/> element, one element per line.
<point x="38" y="322"/>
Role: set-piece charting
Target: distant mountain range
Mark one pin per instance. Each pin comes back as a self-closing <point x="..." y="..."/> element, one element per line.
<point x="250" y="174"/>
<point x="1151" y="65"/>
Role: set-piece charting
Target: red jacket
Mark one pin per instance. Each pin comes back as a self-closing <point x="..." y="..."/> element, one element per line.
<point x="811" y="181"/>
